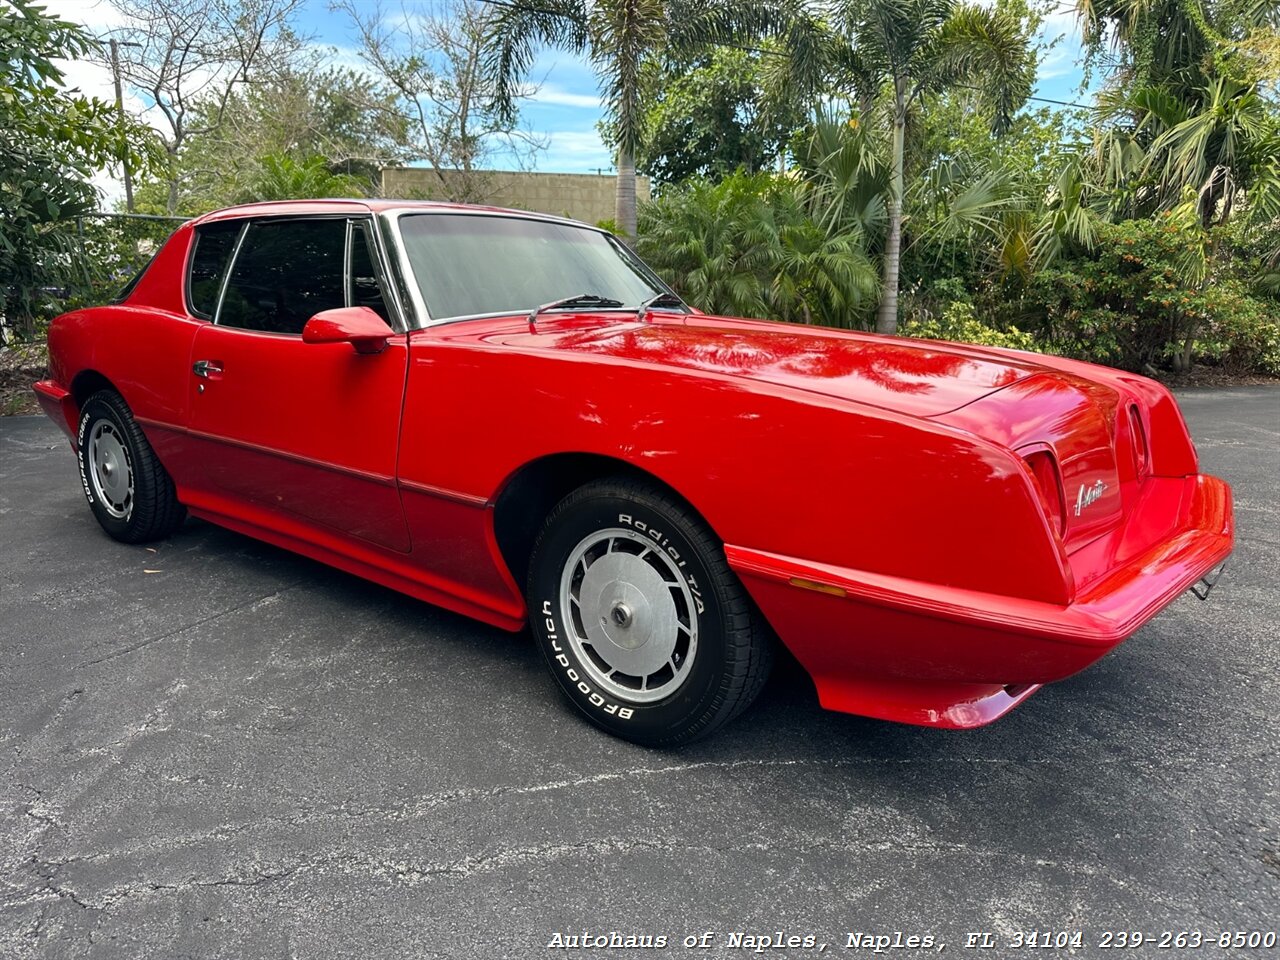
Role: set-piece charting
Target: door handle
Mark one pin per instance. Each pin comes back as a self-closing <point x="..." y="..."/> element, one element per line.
<point x="206" y="368"/>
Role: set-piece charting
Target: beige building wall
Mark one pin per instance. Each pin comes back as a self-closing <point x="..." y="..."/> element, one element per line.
<point x="581" y="196"/>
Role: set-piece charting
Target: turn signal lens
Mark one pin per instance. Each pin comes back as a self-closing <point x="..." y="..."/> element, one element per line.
<point x="813" y="585"/>
<point x="1049" y="485"/>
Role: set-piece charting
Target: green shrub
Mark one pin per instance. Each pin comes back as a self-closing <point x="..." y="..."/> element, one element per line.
<point x="958" y="322"/>
<point x="1141" y="297"/>
<point x="1242" y="332"/>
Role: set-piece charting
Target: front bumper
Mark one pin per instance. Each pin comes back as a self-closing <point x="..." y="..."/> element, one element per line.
<point x="927" y="653"/>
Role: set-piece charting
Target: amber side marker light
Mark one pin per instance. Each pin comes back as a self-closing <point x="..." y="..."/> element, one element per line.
<point x="818" y="587"/>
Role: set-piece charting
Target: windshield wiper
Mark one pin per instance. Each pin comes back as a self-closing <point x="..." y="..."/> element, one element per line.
<point x="664" y="299"/>
<point x="581" y="300"/>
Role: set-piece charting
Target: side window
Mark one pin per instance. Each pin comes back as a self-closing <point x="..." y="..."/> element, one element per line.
<point x="214" y="245"/>
<point x="286" y="272"/>
<point x="365" y="289"/>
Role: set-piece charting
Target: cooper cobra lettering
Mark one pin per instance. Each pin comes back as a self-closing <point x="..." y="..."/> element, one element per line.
<point x="84" y="473"/>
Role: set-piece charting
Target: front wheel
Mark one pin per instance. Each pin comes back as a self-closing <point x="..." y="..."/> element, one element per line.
<point x="643" y="624"/>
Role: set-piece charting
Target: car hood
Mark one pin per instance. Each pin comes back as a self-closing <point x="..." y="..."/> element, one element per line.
<point x="917" y="377"/>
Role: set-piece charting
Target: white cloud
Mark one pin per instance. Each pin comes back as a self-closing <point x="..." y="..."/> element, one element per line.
<point x="110" y="190"/>
<point x="402" y="21"/>
<point x="91" y="79"/>
<point x="575" y="151"/>
<point x="97" y="16"/>
<point x="1061" y="30"/>
<point x="1062" y="61"/>
<point x="341" y="57"/>
<point x="555" y="95"/>
<point x="1062" y="20"/>
<point x="94" y="80"/>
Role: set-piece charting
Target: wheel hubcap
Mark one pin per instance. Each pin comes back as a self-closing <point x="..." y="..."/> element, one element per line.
<point x="629" y="615"/>
<point x="110" y="470"/>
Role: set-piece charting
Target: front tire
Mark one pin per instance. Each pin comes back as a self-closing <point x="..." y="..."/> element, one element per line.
<point x="643" y="624"/>
<point x="129" y="491"/>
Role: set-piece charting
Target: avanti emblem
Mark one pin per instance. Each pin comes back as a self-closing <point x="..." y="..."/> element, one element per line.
<point x="1089" y="495"/>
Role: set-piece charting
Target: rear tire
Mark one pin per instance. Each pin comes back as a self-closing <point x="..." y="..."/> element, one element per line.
<point x="643" y="624"/>
<point x="128" y="489"/>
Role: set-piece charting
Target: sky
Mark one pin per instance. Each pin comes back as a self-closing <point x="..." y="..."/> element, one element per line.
<point x="566" y="107"/>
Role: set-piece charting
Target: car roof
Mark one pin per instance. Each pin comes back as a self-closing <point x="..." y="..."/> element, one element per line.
<point x="287" y="208"/>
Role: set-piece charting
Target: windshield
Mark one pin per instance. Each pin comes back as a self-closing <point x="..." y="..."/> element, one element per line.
<point x="468" y="265"/>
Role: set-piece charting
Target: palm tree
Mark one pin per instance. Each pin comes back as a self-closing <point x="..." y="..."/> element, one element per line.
<point x="845" y="165"/>
<point x="282" y="177"/>
<point x="700" y="237"/>
<point x="755" y="245"/>
<point x="909" y="49"/>
<point x="617" y="36"/>
<point x="818" y="276"/>
<point x="1158" y="40"/>
<point x="1220" y="150"/>
<point x="1187" y="109"/>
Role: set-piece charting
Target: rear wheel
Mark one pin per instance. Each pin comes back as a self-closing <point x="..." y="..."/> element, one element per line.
<point x="643" y="624"/>
<point x="128" y="489"/>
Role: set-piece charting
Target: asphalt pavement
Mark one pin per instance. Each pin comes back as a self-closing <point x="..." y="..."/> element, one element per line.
<point x="214" y="748"/>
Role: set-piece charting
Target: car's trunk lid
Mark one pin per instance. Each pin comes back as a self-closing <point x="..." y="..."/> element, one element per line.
<point x="1084" y="424"/>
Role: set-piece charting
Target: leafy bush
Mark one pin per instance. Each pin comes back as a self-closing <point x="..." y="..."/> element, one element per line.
<point x="1243" y="333"/>
<point x="1139" y="298"/>
<point x="54" y="140"/>
<point x="958" y="322"/>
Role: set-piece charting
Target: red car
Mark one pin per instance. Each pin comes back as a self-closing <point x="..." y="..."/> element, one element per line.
<point x="510" y="416"/>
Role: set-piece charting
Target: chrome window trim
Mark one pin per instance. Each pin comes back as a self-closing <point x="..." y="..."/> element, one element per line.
<point x="347" y="249"/>
<point x="226" y="274"/>
<point x="364" y="229"/>
<point x="402" y="316"/>
<point x="393" y="216"/>
<point x="187" y="302"/>
<point x="404" y="283"/>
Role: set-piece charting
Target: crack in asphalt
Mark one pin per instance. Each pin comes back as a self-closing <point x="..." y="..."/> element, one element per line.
<point x="190" y="626"/>
<point x="409" y="873"/>
<point x="415" y="811"/>
<point x="425" y="805"/>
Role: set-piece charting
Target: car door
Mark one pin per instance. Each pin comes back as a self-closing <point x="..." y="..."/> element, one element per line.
<point x="288" y="430"/>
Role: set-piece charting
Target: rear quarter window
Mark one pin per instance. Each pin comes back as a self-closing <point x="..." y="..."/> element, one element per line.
<point x="127" y="290"/>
